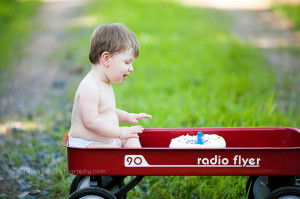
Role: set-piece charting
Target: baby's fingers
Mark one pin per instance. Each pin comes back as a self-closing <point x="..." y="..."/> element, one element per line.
<point x="137" y="129"/>
<point x="144" y="115"/>
<point x="140" y="130"/>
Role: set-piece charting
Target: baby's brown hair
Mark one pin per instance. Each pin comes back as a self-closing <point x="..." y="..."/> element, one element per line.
<point x="113" y="38"/>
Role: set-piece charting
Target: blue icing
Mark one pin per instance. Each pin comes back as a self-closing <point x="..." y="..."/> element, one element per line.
<point x="191" y="141"/>
<point x="199" y="136"/>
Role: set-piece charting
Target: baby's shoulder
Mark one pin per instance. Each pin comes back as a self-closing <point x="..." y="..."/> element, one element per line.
<point x="88" y="86"/>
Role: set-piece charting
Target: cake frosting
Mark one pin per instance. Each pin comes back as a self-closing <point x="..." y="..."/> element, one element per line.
<point x="198" y="141"/>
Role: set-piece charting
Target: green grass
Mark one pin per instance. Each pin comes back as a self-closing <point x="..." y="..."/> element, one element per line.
<point x="291" y="12"/>
<point x="15" y="23"/>
<point x="191" y="73"/>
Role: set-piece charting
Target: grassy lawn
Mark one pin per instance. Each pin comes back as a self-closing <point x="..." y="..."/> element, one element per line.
<point x="15" y="23"/>
<point x="191" y="73"/>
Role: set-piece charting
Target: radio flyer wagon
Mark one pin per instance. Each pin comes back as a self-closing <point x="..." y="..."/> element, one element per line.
<point x="269" y="155"/>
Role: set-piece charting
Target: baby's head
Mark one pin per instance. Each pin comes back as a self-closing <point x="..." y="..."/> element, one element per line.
<point x="112" y="38"/>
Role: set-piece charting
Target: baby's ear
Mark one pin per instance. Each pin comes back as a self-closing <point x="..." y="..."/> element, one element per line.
<point x="104" y="58"/>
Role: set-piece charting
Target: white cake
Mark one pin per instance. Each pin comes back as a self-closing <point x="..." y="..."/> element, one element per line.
<point x="198" y="141"/>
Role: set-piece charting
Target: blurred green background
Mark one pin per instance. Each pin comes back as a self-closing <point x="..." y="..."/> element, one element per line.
<point x="191" y="72"/>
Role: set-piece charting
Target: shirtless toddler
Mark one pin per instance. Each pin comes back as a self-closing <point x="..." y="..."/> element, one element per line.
<point x="95" y="118"/>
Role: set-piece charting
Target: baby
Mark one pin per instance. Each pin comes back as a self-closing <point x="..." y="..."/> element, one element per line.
<point x="95" y="118"/>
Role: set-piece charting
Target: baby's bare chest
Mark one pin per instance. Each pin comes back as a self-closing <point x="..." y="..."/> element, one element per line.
<point x="107" y="102"/>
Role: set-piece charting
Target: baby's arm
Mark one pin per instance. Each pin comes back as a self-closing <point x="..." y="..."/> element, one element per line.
<point x="88" y="108"/>
<point x="131" y="118"/>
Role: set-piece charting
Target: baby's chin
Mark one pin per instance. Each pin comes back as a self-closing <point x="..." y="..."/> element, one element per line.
<point x="117" y="81"/>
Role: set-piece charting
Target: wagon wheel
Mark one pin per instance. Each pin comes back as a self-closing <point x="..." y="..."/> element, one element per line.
<point x="107" y="182"/>
<point x="257" y="188"/>
<point x="92" y="193"/>
<point x="289" y="192"/>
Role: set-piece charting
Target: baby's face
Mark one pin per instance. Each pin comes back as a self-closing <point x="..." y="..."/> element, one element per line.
<point x="120" y="66"/>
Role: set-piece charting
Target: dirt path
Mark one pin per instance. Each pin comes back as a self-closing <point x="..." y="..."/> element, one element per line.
<point x="254" y="23"/>
<point x="39" y="80"/>
<point x="39" y="76"/>
<point x="270" y="33"/>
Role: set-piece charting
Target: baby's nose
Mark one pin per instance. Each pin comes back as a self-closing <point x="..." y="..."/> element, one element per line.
<point x="130" y="68"/>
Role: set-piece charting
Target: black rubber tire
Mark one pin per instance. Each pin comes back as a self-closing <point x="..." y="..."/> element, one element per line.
<point x="285" y="191"/>
<point x="92" y="191"/>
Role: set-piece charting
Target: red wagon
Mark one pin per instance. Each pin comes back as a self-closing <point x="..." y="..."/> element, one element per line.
<point x="270" y="155"/>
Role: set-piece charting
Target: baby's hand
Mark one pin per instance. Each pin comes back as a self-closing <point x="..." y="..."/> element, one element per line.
<point x="133" y="118"/>
<point x="130" y="132"/>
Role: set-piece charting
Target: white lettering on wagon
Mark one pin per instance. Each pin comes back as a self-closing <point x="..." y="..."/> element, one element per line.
<point x="237" y="161"/>
<point x="216" y="161"/>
